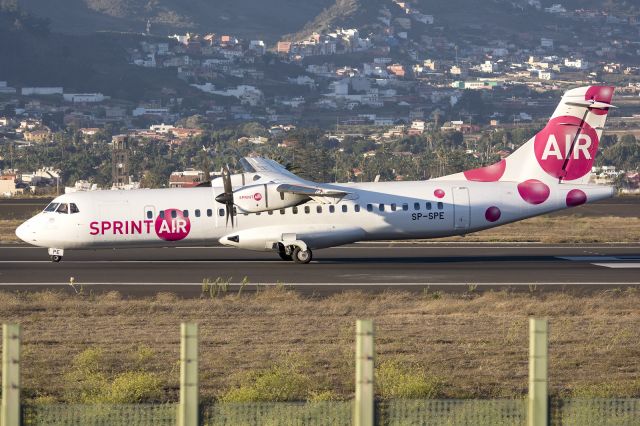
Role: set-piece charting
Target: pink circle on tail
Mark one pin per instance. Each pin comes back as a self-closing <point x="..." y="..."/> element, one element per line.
<point x="599" y="94"/>
<point x="492" y="214"/>
<point x="491" y="173"/>
<point x="171" y="228"/>
<point x="533" y="191"/>
<point x="576" y="197"/>
<point x="554" y="141"/>
<point x="439" y="193"/>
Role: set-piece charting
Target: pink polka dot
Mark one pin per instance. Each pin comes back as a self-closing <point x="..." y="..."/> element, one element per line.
<point x="492" y="214"/>
<point x="533" y="191"/>
<point x="576" y="197"/>
<point x="599" y="94"/>
<point x="439" y="193"/>
<point x="491" y="173"/>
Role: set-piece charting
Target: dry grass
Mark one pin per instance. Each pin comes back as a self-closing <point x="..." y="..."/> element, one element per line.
<point x="562" y="229"/>
<point x="8" y="230"/>
<point x="475" y="345"/>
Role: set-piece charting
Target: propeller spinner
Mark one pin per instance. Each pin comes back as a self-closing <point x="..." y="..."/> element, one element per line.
<point x="226" y="197"/>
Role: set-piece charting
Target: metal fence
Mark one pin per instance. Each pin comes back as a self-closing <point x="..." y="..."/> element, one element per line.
<point x="583" y="411"/>
<point x="278" y="413"/>
<point x="99" y="414"/>
<point x="431" y="412"/>
<point x="493" y="412"/>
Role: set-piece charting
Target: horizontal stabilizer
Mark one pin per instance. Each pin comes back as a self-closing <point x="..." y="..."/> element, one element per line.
<point x="591" y="104"/>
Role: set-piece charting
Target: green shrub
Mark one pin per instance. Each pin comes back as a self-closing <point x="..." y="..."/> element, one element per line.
<point x="396" y="380"/>
<point x="134" y="387"/>
<point x="279" y="383"/>
<point x="88" y="382"/>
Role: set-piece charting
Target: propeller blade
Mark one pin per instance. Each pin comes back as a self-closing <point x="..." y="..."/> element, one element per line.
<point x="226" y="180"/>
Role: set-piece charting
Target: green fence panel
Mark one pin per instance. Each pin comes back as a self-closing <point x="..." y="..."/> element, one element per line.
<point x="592" y="412"/>
<point x="99" y="415"/>
<point x="278" y="413"/>
<point x="495" y="412"/>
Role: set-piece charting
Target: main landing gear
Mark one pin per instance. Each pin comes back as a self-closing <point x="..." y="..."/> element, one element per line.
<point x="297" y="253"/>
<point x="56" y="254"/>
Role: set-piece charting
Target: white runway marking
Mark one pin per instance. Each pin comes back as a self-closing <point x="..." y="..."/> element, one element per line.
<point x="619" y="265"/>
<point x="356" y="284"/>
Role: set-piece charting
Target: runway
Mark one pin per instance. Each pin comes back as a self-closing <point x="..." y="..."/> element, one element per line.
<point x="371" y="267"/>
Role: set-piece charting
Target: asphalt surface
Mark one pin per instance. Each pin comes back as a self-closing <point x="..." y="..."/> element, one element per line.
<point x="371" y="267"/>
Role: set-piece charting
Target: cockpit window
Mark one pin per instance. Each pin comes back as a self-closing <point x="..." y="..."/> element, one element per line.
<point x="51" y="207"/>
<point x="63" y="208"/>
<point x="73" y="208"/>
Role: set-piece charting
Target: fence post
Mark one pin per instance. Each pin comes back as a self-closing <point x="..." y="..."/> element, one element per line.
<point x="10" y="415"/>
<point x="188" y="410"/>
<point x="363" y="414"/>
<point x="538" y="396"/>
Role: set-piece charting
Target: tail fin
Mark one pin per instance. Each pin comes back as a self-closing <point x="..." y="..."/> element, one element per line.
<point x="564" y="151"/>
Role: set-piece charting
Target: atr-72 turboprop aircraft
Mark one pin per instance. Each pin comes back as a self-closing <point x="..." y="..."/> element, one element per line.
<point x="267" y="208"/>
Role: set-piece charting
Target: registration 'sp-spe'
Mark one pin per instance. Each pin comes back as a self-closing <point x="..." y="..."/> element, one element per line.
<point x="267" y="208"/>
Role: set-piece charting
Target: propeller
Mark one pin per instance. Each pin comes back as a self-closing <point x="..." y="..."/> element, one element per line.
<point x="226" y="197"/>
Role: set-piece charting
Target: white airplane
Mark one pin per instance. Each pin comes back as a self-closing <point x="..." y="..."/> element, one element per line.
<point x="267" y="208"/>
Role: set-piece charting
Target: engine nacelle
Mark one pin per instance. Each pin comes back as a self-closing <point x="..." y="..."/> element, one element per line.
<point x="260" y="198"/>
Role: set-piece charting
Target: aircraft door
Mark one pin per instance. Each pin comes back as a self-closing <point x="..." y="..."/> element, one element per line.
<point x="461" y="207"/>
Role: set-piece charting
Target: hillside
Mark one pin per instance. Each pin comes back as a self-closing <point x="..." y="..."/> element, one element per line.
<point x="272" y="19"/>
<point x="267" y="19"/>
<point x="91" y="63"/>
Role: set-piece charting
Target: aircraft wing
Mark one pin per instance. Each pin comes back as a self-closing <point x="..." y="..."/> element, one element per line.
<point x="274" y="172"/>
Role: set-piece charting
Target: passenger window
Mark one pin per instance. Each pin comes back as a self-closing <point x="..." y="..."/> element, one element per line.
<point x="416" y="206"/>
<point x="381" y="207"/>
<point x="428" y="205"/>
<point x="307" y="209"/>
<point x="161" y="214"/>
<point x="405" y="207"/>
<point x="294" y="210"/>
<point x="356" y="208"/>
<point x="344" y="208"/>
<point x="51" y="207"/>
<point x="185" y="213"/>
<point x="440" y="205"/>
<point x="63" y="208"/>
<point x="174" y="214"/>
<point x="197" y="212"/>
<point x="332" y="208"/>
<point x="369" y="207"/>
<point x="319" y="209"/>
<point x="209" y="212"/>
<point x="149" y="214"/>
<point x="73" y="208"/>
<point x="393" y="207"/>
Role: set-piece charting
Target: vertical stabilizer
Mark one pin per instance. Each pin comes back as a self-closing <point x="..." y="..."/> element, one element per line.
<point x="564" y="151"/>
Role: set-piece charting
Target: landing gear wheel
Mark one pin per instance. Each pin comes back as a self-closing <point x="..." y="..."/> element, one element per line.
<point x="284" y="256"/>
<point x="56" y="258"/>
<point x="302" y="256"/>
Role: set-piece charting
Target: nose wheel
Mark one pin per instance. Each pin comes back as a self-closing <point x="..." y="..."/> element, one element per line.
<point x="56" y="254"/>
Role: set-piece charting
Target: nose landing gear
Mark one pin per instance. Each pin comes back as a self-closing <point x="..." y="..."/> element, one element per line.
<point x="56" y="254"/>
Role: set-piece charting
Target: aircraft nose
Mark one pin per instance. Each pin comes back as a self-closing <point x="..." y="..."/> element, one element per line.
<point x="24" y="232"/>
